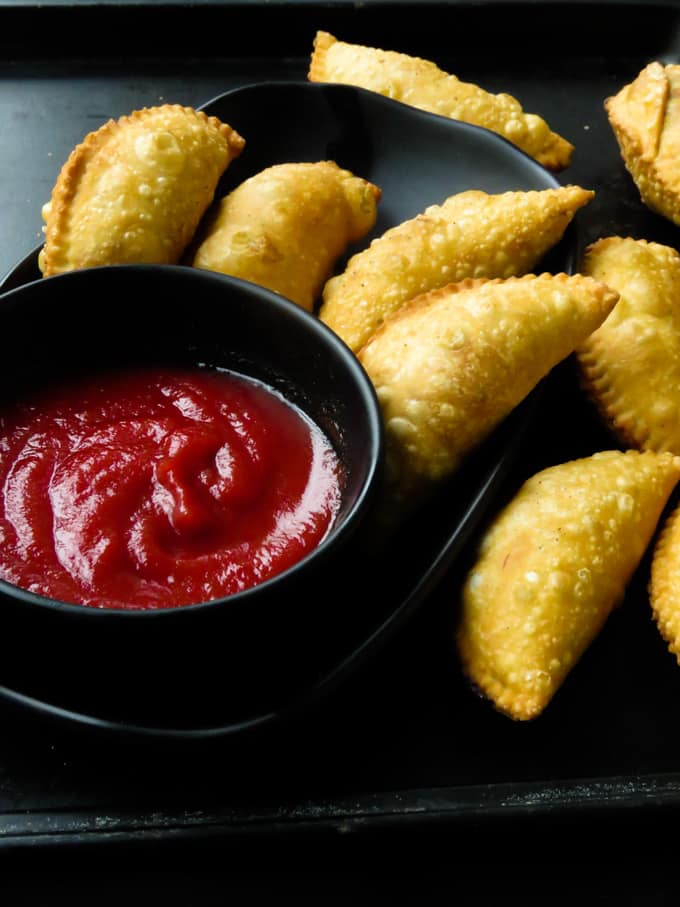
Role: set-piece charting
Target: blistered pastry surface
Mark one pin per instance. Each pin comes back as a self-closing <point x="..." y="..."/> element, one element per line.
<point x="645" y="118"/>
<point x="285" y="227"/>
<point x="421" y="83"/>
<point x="450" y="365"/>
<point x="134" y="191"/>
<point x="472" y="234"/>
<point x="551" y="568"/>
<point x="630" y="366"/>
<point x="664" y="583"/>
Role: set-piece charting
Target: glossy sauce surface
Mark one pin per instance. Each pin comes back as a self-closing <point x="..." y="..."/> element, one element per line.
<point x="159" y="487"/>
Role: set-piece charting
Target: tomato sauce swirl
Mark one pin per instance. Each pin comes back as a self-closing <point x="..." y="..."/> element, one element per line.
<point x="159" y="487"/>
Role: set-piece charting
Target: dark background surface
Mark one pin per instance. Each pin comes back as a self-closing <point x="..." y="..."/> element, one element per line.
<point x="404" y="787"/>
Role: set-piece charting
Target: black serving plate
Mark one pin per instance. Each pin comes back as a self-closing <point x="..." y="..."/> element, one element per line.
<point x="364" y="132"/>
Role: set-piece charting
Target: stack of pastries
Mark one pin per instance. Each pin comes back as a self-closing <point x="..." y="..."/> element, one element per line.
<point x="455" y="322"/>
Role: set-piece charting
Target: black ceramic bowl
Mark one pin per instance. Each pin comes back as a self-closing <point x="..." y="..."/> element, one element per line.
<point x="247" y="650"/>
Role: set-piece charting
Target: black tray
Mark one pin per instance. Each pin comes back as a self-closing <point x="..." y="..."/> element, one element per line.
<point x="404" y="742"/>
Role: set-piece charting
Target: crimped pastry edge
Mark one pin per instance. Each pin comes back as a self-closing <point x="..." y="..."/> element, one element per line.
<point x="52" y="255"/>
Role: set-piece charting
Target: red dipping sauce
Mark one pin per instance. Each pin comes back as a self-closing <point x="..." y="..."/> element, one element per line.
<point x="159" y="487"/>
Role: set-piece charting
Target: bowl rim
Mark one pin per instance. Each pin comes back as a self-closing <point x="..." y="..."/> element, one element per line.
<point x="337" y="535"/>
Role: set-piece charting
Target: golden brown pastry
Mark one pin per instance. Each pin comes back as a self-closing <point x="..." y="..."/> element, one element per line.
<point x="630" y="366"/>
<point x="135" y="190"/>
<point x="472" y="234"/>
<point x="664" y="583"/>
<point x="451" y="364"/>
<point x="285" y="227"/>
<point x="551" y="568"/>
<point x="422" y="84"/>
<point x="645" y="118"/>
